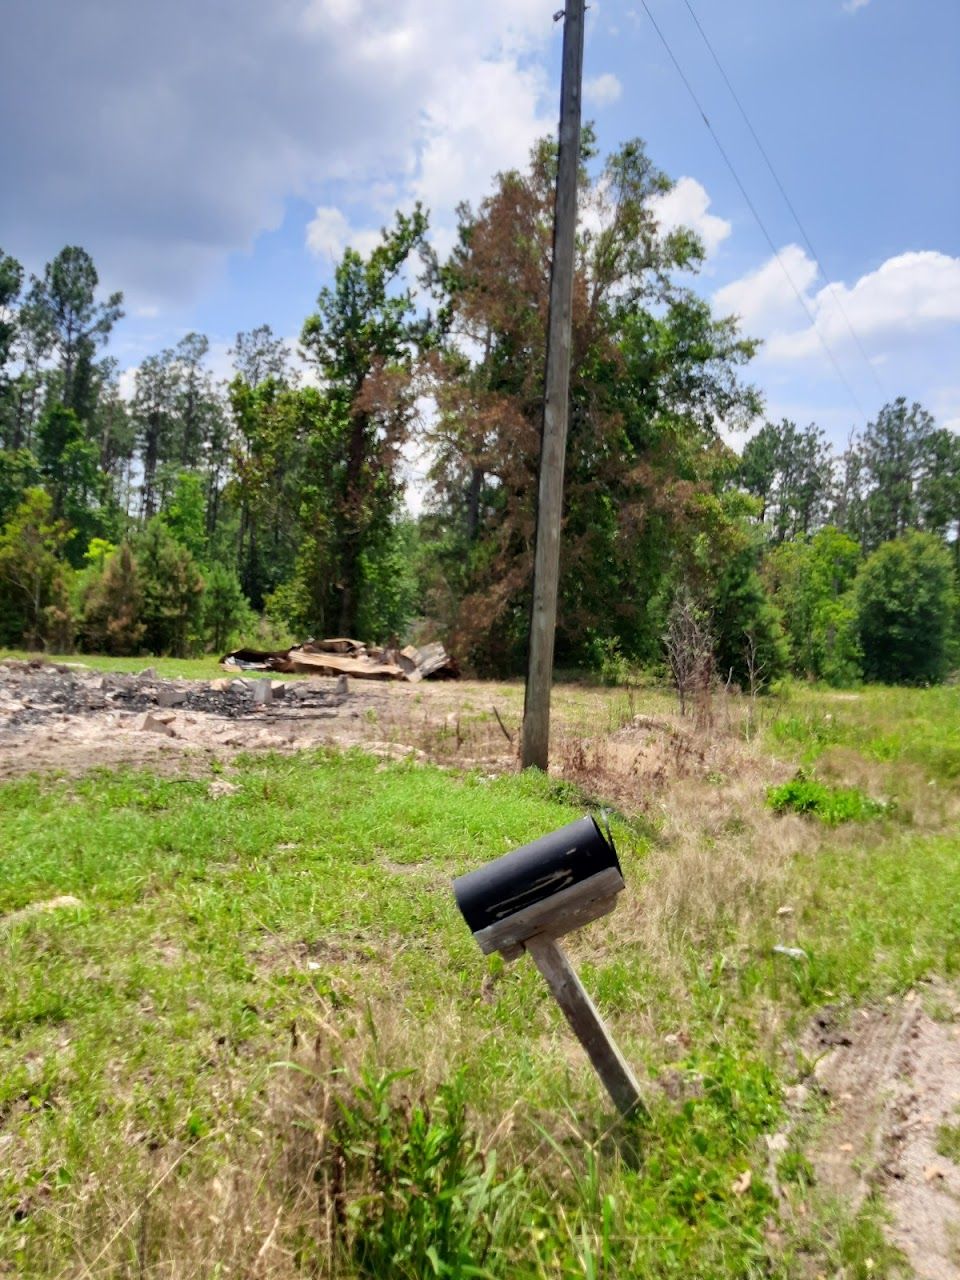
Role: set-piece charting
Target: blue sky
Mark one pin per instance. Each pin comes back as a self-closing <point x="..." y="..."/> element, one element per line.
<point x="216" y="155"/>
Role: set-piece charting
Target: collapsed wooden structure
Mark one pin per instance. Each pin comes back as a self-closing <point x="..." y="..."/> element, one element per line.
<point x="342" y="656"/>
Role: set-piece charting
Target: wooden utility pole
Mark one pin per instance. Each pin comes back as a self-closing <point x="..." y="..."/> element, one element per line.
<point x="543" y="619"/>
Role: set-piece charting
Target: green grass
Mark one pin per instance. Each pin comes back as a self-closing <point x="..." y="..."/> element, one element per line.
<point x="948" y="1142"/>
<point x="321" y="888"/>
<point x="890" y="725"/>
<point x="832" y="805"/>
<point x="207" y="668"/>
<point x="145" y="1035"/>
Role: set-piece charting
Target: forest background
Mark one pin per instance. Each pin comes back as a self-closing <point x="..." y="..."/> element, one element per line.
<point x="197" y="514"/>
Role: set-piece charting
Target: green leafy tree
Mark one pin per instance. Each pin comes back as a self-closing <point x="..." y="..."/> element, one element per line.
<point x="11" y="282"/>
<point x="154" y="415"/>
<point x="390" y="587"/>
<point x="939" y="488"/>
<point x="112" y="432"/>
<point x="68" y="463"/>
<point x="906" y="605"/>
<point x="225" y="607"/>
<point x="112" y="604"/>
<point x="363" y="339"/>
<point x="19" y="471"/>
<point x="275" y="427"/>
<point x="791" y="471"/>
<point x="184" y="514"/>
<point x="65" y="302"/>
<point x="848" y="505"/>
<point x="811" y="582"/>
<point x="172" y="591"/>
<point x="259" y="356"/>
<point x="895" y="449"/>
<point x="654" y="374"/>
<point x="31" y="389"/>
<point x="33" y="580"/>
<point x="751" y="647"/>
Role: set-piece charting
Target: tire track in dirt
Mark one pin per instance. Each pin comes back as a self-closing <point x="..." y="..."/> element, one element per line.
<point x="891" y="1075"/>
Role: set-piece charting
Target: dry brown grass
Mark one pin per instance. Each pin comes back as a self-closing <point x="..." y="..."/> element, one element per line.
<point x="918" y="799"/>
<point x="267" y="1204"/>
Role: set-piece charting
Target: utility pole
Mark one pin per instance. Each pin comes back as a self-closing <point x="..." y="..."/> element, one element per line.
<point x="543" y="620"/>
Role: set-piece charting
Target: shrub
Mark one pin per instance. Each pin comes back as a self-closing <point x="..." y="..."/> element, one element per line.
<point x="831" y="805"/>
<point x="906" y="602"/>
<point x="172" y="591"/>
<point x="225" y="607"/>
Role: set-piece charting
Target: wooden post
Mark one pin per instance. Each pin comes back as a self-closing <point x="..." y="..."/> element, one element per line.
<point x="543" y="620"/>
<point x="586" y="1023"/>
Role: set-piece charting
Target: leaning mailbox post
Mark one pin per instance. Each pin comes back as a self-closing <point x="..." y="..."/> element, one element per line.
<point x="528" y="899"/>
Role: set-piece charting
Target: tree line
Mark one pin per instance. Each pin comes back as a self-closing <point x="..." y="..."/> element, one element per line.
<point x="195" y="513"/>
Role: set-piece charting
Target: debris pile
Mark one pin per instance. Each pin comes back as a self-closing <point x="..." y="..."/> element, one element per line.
<point x="342" y="656"/>
<point x="36" y="691"/>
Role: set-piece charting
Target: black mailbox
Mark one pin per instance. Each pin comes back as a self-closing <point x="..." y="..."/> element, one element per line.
<point x="550" y="886"/>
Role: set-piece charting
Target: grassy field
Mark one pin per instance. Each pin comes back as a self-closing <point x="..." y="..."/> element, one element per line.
<point x="207" y="668"/>
<point x="256" y="1039"/>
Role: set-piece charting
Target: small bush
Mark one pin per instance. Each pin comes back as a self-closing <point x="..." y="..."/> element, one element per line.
<point x="609" y="662"/>
<point x="831" y="805"/>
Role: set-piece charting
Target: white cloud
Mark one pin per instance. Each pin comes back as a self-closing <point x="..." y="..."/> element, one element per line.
<point x="602" y="90"/>
<point x="764" y="299"/>
<point x="329" y="233"/>
<point x="475" y="125"/>
<point x="851" y="6"/>
<point x="686" y="205"/>
<point x="909" y="294"/>
<point x="127" y="382"/>
<point x="192" y="158"/>
<point x="905" y="315"/>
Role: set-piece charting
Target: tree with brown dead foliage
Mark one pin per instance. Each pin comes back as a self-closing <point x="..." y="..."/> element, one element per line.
<point x="653" y="376"/>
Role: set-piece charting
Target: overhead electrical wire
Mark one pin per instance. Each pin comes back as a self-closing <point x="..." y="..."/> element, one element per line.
<point x="783" y="191"/>
<point x="753" y="209"/>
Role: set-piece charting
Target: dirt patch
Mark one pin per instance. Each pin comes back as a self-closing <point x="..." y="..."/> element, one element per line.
<point x="64" y="902"/>
<point x="891" y="1078"/>
<point x="70" y="719"/>
<point x="55" y="716"/>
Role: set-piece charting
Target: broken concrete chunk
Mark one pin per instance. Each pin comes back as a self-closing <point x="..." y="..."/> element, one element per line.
<point x="158" y="722"/>
<point x="171" y="696"/>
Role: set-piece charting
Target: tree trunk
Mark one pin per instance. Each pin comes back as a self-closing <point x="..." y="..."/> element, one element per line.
<point x="473" y="502"/>
<point x="350" y="541"/>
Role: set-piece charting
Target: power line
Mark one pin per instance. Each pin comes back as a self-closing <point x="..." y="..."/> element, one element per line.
<point x="789" y="203"/>
<point x="753" y="209"/>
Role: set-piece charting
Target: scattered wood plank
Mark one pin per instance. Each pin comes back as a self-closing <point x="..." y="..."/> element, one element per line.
<point x="340" y="655"/>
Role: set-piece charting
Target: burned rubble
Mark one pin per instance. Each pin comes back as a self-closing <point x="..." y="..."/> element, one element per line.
<point x="66" y="716"/>
<point x="35" y="691"/>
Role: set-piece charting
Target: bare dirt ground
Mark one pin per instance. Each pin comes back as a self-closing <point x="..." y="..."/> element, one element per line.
<point x="70" y="718"/>
<point x="891" y="1078"/>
